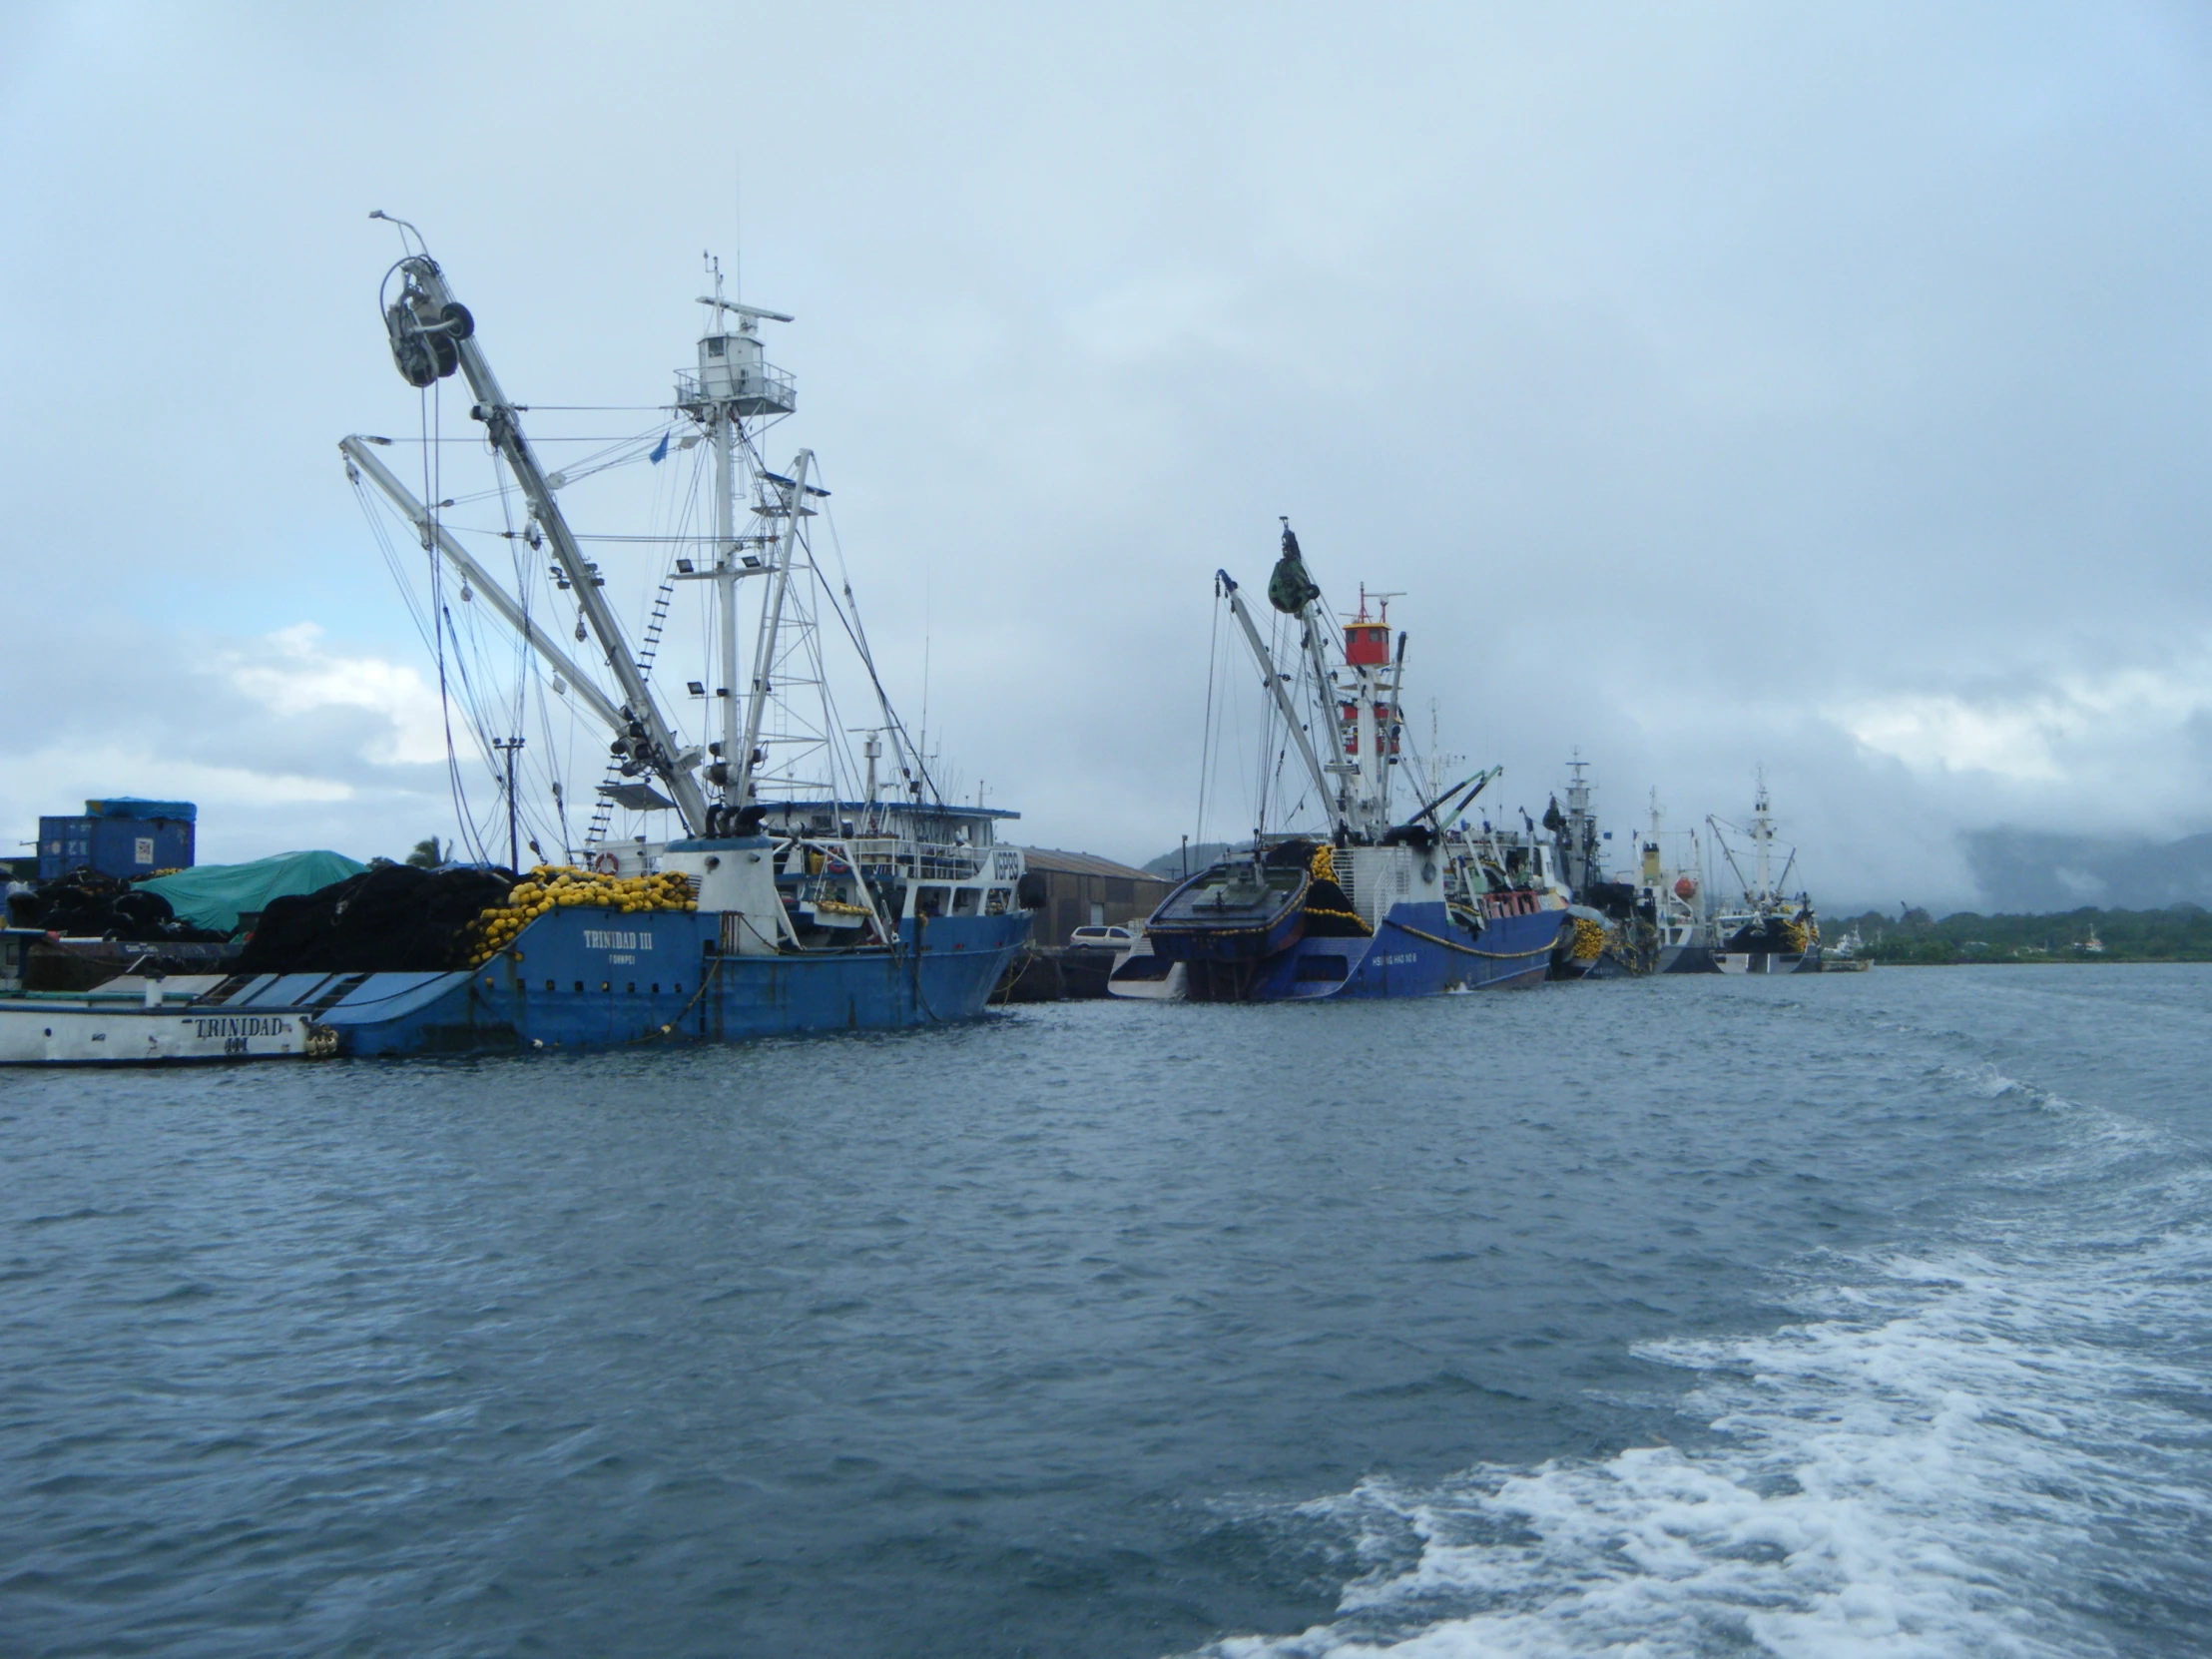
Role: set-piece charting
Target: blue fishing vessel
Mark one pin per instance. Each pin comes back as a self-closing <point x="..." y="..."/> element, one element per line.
<point x="800" y="890"/>
<point x="1374" y="905"/>
<point x="597" y="975"/>
<point x="721" y="943"/>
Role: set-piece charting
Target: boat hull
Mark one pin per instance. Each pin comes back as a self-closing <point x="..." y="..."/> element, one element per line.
<point x="586" y="979"/>
<point x="1766" y="961"/>
<point x="1669" y="959"/>
<point x="1141" y="974"/>
<point x="81" y="1031"/>
<point x="1418" y="952"/>
<point x="576" y="978"/>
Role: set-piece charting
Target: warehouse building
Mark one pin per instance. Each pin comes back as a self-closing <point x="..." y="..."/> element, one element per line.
<point x="1068" y="890"/>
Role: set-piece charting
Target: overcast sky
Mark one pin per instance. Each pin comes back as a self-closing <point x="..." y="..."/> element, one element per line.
<point x="1725" y="386"/>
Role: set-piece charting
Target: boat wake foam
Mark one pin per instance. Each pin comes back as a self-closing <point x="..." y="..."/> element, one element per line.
<point x="2001" y="1449"/>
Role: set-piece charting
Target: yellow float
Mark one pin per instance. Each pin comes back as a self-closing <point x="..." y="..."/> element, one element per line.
<point x="551" y="887"/>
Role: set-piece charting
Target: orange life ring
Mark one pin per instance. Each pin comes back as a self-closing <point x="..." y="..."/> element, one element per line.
<point x="606" y="863"/>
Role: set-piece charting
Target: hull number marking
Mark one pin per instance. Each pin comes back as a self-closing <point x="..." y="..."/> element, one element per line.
<point x="242" y="1025"/>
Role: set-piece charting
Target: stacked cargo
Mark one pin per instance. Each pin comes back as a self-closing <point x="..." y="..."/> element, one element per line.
<point x="122" y="838"/>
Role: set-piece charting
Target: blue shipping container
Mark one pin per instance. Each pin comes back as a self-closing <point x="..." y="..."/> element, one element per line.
<point x="121" y="846"/>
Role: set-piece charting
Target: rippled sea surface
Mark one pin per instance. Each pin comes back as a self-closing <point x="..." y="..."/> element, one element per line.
<point x="1817" y="1316"/>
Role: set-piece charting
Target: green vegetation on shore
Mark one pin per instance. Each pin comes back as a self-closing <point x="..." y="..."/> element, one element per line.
<point x="2178" y="933"/>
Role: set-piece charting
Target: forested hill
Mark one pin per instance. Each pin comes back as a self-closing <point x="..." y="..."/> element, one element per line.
<point x="2178" y="933"/>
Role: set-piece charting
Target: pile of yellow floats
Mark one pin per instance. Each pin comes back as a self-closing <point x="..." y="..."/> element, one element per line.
<point x="1585" y="940"/>
<point x="563" y="888"/>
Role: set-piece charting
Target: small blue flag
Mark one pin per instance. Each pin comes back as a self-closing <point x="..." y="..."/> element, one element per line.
<point x="660" y="451"/>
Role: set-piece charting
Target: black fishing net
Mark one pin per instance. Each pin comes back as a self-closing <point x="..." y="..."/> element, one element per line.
<point x="1774" y="934"/>
<point x="85" y="905"/>
<point x="391" y="918"/>
<point x="1290" y="588"/>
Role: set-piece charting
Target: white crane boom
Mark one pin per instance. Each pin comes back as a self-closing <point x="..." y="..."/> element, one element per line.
<point x="1274" y="677"/>
<point x="426" y="314"/>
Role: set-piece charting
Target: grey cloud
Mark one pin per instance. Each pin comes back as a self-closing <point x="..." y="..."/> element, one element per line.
<point x="128" y="709"/>
<point x="1697" y="374"/>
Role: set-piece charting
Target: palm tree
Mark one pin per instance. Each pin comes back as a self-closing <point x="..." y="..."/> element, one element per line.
<point x="426" y="854"/>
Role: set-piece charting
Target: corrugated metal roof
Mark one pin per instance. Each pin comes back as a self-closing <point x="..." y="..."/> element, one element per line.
<point x="1081" y="864"/>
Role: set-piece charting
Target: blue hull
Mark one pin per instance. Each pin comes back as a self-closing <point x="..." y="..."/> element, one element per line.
<point x="591" y="978"/>
<point x="1418" y="952"/>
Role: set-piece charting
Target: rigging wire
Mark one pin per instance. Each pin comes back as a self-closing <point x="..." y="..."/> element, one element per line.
<point x="1206" y="732"/>
<point x="902" y="740"/>
<point x="431" y="630"/>
<point x="391" y="552"/>
<point x="524" y="677"/>
<point x="430" y="417"/>
<point x="1268" y="715"/>
<point x="1231" y="734"/>
<point x="474" y="671"/>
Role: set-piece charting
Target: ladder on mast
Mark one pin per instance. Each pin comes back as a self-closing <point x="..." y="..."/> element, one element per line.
<point x="602" y="814"/>
<point x="659" y="620"/>
<point x="602" y="817"/>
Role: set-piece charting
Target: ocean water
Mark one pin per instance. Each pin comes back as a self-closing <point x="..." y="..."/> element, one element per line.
<point x="1829" y="1315"/>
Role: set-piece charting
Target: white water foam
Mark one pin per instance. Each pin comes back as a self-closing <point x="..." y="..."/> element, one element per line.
<point x="2000" y="1450"/>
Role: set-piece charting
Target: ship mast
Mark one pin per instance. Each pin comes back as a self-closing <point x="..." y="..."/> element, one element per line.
<point x="793" y="491"/>
<point x="1760" y="886"/>
<point x="1581" y="826"/>
<point x="1762" y="840"/>
<point x="1363" y="744"/>
<point x="1375" y="677"/>
<point x="1314" y="626"/>
<point x="1274" y="677"/>
<point x="723" y="430"/>
<point x="734" y="382"/>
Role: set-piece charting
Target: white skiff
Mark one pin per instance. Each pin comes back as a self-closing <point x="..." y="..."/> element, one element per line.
<point x="135" y="1020"/>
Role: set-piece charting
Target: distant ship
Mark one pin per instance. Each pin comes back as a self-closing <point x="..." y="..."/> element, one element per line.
<point x="1657" y="911"/>
<point x="1843" y="956"/>
<point x="1373" y="905"/>
<point x="1767" y="933"/>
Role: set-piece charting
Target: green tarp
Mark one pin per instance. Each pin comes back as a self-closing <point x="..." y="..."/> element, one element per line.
<point x="214" y="896"/>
